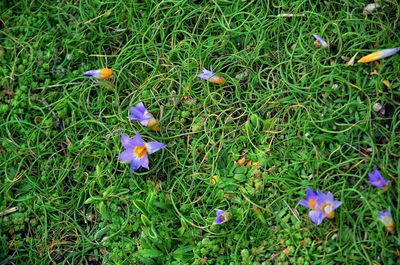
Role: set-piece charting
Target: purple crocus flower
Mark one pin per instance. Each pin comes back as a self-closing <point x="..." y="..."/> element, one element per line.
<point x="210" y="76"/>
<point x="322" y="205"/>
<point x="141" y="114"/>
<point x="387" y="220"/>
<point x="376" y="179"/>
<point x="206" y="74"/>
<point x="136" y="151"/>
<point x="99" y="74"/>
<point x="221" y="217"/>
<point x="327" y="204"/>
<point x="319" y="41"/>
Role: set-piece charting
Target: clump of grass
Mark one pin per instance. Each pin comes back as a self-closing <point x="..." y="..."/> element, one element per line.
<point x="298" y="117"/>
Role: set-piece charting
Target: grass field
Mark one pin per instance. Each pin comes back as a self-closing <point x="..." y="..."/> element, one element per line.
<point x="289" y="116"/>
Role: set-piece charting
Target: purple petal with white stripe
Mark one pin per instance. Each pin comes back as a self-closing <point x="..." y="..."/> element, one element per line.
<point x="144" y="161"/>
<point x="141" y="114"/>
<point x="321" y="41"/>
<point x="153" y="147"/>
<point x="137" y="140"/>
<point x="92" y="73"/>
<point x="221" y="217"/>
<point x="388" y="52"/>
<point x="135" y="164"/>
<point x="376" y="179"/>
<point x="317" y="216"/>
<point x="127" y="155"/>
<point x="126" y="141"/>
<point x="206" y="74"/>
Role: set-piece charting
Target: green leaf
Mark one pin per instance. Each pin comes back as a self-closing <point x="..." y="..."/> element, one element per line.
<point x="102" y="208"/>
<point x="145" y="220"/>
<point x="151" y="233"/>
<point x="181" y="252"/>
<point x="81" y="201"/>
<point x="268" y="123"/>
<point x="260" y="216"/>
<point x="240" y="170"/>
<point x="149" y="201"/>
<point x="255" y="120"/>
<point x="139" y="204"/>
<point x="108" y="191"/>
<point x="93" y="199"/>
<point x="282" y="213"/>
<point x="101" y="232"/>
<point x="150" y="253"/>
<point x="240" y="177"/>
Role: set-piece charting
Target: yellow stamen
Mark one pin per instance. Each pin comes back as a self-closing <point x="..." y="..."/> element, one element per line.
<point x="105" y="73"/>
<point x="311" y="203"/>
<point x="140" y="151"/>
<point x="217" y="80"/>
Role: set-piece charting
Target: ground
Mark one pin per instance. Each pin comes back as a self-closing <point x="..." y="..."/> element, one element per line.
<point x="289" y="116"/>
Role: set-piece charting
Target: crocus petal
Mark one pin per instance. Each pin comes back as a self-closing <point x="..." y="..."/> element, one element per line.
<point x="389" y="52"/>
<point x="206" y="74"/>
<point x="221" y="217"/>
<point x="317" y="216"/>
<point x="147" y="117"/>
<point x="219" y="212"/>
<point x="321" y="197"/>
<point x="136" y="114"/>
<point x="154" y="147"/>
<point x="327" y="199"/>
<point x="92" y="73"/>
<point x="135" y="164"/>
<point x="321" y="41"/>
<point x="387" y="219"/>
<point x="140" y="114"/>
<point x="219" y="220"/>
<point x="135" y="118"/>
<point x="336" y="204"/>
<point x="310" y="193"/>
<point x="137" y="140"/>
<point x="304" y="203"/>
<point x="329" y="196"/>
<point x="140" y="106"/>
<point x="126" y="141"/>
<point x="127" y="155"/>
<point x="387" y="214"/>
<point x="378" y="183"/>
<point x="376" y="179"/>
<point x="144" y="161"/>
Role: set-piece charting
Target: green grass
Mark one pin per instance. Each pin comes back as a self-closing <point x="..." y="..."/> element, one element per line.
<point x="78" y="204"/>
